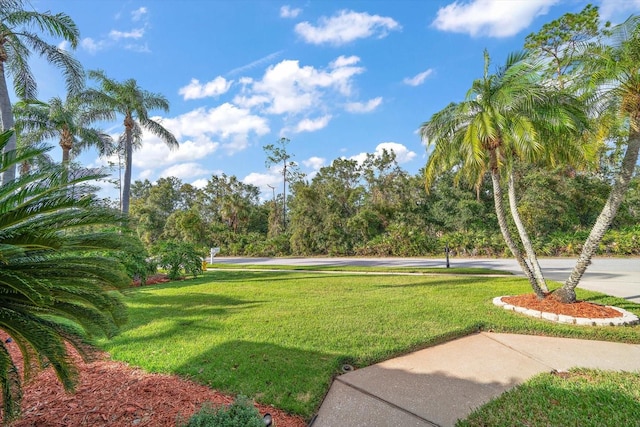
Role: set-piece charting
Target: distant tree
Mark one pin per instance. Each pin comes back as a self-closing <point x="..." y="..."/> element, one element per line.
<point x="133" y="103"/>
<point x="56" y="282"/>
<point x="277" y="154"/>
<point x="560" y="42"/>
<point x="17" y="42"/>
<point x="321" y="210"/>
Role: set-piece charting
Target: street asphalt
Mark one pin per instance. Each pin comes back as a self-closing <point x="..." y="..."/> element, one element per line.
<point x="613" y="276"/>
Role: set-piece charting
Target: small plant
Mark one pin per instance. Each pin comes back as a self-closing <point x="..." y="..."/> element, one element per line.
<point x="241" y="413"/>
<point x="178" y="256"/>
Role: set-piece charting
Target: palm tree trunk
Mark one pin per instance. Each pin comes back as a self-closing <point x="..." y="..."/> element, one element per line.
<point x="502" y="222"/>
<point x="128" y="152"/>
<point x="6" y="121"/>
<point x="567" y="293"/>
<point x="524" y="236"/>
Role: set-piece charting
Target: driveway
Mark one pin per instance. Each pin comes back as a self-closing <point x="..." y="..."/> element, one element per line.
<point x="613" y="276"/>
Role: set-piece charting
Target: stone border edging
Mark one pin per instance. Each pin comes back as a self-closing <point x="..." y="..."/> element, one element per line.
<point x="627" y="317"/>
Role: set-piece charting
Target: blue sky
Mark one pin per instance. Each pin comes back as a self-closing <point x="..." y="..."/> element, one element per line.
<point x="338" y="78"/>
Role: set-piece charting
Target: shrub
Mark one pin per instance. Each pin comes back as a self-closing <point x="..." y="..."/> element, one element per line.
<point x="240" y="413"/>
<point x="178" y="256"/>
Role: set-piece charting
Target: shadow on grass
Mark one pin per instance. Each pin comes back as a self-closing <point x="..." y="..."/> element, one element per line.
<point x="291" y="379"/>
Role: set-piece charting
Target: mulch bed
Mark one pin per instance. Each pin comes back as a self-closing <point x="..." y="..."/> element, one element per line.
<point x="550" y="305"/>
<point x="117" y="395"/>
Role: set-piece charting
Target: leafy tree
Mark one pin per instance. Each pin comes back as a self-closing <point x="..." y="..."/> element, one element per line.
<point x="17" y="42"/>
<point x="55" y="279"/>
<point x="150" y="212"/>
<point x="67" y="120"/>
<point x="321" y="210"/>
<point x="132" y="102"/>
<point x="612" y="71"/>
<point x="560" y="42"/>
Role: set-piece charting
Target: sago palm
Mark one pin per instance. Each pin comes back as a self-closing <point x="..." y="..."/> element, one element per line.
<point x="56" y="284"/>
<point x="133" y="103"/>
<point x="17" y="42"/>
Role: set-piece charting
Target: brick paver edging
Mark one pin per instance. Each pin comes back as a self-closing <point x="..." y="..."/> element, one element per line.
<point x="627" y="318"/>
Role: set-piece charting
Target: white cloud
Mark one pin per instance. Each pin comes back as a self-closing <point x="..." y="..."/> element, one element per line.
<point x="136" y="33"/>
<point x="418" y="79"/>
<point x="154" y="153"/>
<point x="403" y="154"/>
<point x="314" y="163"/>
<point x="310" y="125"/>
<point x="346" y="27"/>
<point x="90" y="45"/>
<point x="197" y="90"/>
<point x="618" y="10"/>
<point x="201" y="132"/>
<point x="225" y="121"/>
<point x="200" y="183"/>
<point x="489" y="17"/>
<point x="363" y="107"/>
<point x="184" y="170"/>
<point x="287" y="12"/>
<point x="344" y="61"/>
<point x="263" y="181"/>
<point x="138" y="14"/>
<point x="288" y="88"/>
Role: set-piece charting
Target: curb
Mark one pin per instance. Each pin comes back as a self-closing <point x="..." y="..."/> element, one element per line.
<point x="627" y="317"/>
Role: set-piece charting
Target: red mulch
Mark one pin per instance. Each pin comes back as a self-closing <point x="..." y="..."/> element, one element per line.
<point x="114" y="394"/>
<point x="550" y="305"/>
<point x="153" y="279"/>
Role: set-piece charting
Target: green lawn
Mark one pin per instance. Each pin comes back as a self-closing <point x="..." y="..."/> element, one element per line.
<point x="361" y="269"/>
<point x="584" y="397"/>
<point x="279" y="337"/>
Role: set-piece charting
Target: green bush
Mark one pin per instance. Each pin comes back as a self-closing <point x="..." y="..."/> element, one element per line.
<point x="177" y="257"/>
<point x="240" y="413"/>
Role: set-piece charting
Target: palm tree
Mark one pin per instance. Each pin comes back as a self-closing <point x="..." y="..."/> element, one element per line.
<point x="134" y="103"/>
<point x="17" y="42"/>
<point x="500" y="122"/>
<point x="613" y="73"/>
<point x="56" y="287"/>
<point x="67" y="120"/>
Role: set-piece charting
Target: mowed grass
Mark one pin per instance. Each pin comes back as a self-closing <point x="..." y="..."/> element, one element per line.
<point x="584" y="397"/>
<point x="280" y="337"/>
<point x="362" y="269"/>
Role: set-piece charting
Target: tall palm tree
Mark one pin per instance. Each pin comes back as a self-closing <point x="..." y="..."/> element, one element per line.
<point x="17" y="42"/>
<point x="56" y="287"/>
<point x="134" y="103"/>
<point x="613" y="73"/>
<point x="500" y="122"/>
<point x="69" y="121"/>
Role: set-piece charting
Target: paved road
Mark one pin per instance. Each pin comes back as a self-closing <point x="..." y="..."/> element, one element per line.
<point x="613" y="276"/>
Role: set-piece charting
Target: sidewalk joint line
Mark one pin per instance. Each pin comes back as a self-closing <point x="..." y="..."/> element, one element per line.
<point x="367" y="393"/>
<point x="523" y="353"/>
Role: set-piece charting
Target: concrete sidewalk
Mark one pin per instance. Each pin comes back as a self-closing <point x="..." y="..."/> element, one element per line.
<point x="439" y="385"/>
